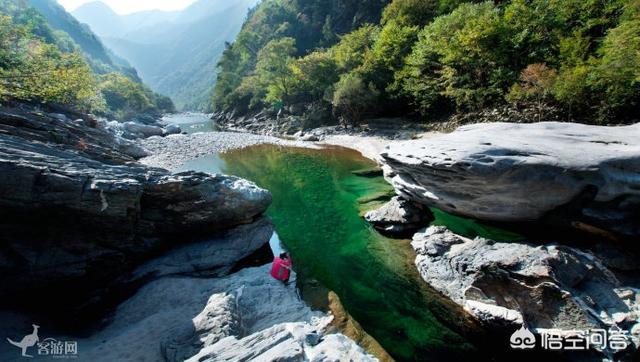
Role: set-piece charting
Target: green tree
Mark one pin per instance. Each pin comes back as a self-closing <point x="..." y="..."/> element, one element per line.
<point x="124" y="97"/>
<point x="274" y="69"/>
<point x="462" y="56"/>
<point x="315" y="75"/>
<point x="615" y="77"/>
<point x="388" y="54"/>
<point x="410" y="12"/>
<point x="33" y="70"/>
<point x="350" y="52"/>
<point x="353" y="97"/>
<point x="605" y="83"/>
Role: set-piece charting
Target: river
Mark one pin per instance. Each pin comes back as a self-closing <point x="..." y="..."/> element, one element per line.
<point x="190" y="122"/>
<point x="317" y="205"/>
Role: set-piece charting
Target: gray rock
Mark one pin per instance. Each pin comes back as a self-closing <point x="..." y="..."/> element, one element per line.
<point x="399" y="217"/>
<point x="58" y="116"/>
<point x="525" y="172"/>
<point x="87" y="138"/>
<point x="211" y="257"/>
<point x="245" y="316"/>
<point x="172" y="129"/>
<point x="546" y="286"/>
<point x="76" y="213"/>
<point x="143" y="130"/>
<point x="309" y="138"/>
<point x="131" y="149"/>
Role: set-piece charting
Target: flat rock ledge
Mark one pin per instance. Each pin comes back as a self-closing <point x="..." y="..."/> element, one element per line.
<point x="525" y="172"/>
<point x="504" y="285"/>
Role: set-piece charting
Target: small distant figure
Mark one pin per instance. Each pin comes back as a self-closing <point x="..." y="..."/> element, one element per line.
<point x="281" y="269"/>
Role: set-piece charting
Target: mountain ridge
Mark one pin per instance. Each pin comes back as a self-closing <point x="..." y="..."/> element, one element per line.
<point x="177" y="52"/>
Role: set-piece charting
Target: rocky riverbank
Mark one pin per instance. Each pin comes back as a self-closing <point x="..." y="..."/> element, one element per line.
<point x="78" y="212"/>
<point x="553" y="176"/>
<point x="86" y="227"/>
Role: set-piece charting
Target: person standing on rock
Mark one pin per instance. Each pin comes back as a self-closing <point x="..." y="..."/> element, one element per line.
<point x="281" y="269"/>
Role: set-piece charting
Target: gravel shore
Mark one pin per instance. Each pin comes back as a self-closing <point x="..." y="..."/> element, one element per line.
<point x="173" y="151"/>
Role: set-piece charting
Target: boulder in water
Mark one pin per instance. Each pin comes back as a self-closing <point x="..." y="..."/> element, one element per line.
<point x="77" y="213"/>
<point x="399" y="217"/>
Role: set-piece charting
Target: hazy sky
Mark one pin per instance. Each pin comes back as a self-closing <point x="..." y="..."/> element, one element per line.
<point x="130" y="6"/>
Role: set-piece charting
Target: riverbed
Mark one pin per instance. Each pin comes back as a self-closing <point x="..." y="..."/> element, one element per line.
<point x="318" y="201"/>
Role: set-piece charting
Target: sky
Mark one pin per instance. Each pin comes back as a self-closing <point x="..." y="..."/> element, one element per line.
<point x="130" y="6"/>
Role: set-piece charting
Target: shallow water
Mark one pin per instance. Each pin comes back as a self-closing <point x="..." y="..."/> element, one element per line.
<point x="317" y="202"/>
<point x="191" y="122"/>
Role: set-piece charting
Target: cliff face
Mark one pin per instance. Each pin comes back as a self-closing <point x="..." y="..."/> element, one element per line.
<point x="77" y="212"/>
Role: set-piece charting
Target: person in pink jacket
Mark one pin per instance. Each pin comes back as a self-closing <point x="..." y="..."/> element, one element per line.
<point x="281" y="268"/>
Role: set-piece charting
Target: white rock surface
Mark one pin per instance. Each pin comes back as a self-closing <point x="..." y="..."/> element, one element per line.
<point x="521" y="172"/>
<point x="247" y="316"/>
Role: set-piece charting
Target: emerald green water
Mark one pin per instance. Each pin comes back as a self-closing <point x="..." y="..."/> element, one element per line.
<point x="317" y="202"/>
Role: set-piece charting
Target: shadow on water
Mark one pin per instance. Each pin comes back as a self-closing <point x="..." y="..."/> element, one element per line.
<point x="316" y="212"/>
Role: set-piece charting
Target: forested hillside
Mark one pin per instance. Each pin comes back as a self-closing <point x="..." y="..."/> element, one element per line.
<point x="38" y="63"/>
<point x="426" y="58"/>
<point x="100" y="59"/>
<point x="175" y="52"/>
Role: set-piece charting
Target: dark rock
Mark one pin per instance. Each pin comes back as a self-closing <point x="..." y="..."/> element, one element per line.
<point x="369" y="172"/>
<point x="508" y="284"/>
<point x="172" y="129"/>
<point x="76" y="213"/>
<point x="399" y="217"/>
<point x="310" y="138"/>
<point x="86" y="138"/>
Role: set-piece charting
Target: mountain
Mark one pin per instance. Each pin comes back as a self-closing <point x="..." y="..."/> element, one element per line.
<point x="107" y="23"/>
<point x="176" y="53"/>
<point x="100" y="58"/>
<point x="279" y="30"/>
<point x="48" y="57"/>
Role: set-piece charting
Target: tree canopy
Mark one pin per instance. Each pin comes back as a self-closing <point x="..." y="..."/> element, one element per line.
<point x="40" y="64"/>
<point x="425" y="57"/>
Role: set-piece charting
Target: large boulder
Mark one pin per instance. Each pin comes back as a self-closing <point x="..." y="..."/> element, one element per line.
<point x="77" y="213"/>
<point x="583" y="175"/>
<point x="143" y="130"/>
<point x="85" y="136"/>
<point x="172" y="129"/>
<point x="545" y="286"/>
